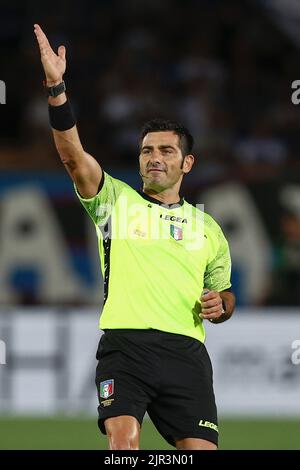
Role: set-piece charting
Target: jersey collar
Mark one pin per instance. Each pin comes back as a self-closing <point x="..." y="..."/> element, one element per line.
<point x="155" y="201"/>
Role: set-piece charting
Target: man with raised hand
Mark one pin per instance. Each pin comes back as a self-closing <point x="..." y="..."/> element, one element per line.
<point x="165" y="271"/>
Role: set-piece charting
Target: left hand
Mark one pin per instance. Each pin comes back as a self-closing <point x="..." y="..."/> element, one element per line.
<point x="211" y="305"/>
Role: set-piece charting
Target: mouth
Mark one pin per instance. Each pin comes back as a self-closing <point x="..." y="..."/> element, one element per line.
<point x="155" y="169"/>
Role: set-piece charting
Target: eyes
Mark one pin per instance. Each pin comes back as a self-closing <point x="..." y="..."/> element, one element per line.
<point x="164" y="151"/>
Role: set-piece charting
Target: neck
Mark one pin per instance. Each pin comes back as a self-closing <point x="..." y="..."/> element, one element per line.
<point x="167" y="196"/>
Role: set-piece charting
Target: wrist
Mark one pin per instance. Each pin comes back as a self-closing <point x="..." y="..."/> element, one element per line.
<point x="58" y="100"/>
<point x="56" y="93"/>
<point x="224" y="315"/>
<point x="61" y="116"/>
<point x="49" y="83"/>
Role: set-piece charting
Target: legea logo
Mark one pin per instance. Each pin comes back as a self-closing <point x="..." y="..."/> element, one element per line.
<point x="295" y="357"/>
<point x="2" y="92"/>
<point x="295" y="95"/>
<point x="2" y="353"/>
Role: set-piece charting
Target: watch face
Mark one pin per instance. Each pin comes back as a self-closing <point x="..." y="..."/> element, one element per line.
<point x="57" y="90"/>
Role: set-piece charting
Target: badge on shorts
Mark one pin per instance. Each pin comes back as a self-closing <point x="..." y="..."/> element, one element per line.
<point x="176" y="232"/>
<point x="106" y="388"/>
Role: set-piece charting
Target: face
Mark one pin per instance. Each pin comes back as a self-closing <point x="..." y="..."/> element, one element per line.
<point x="161" y="160"/>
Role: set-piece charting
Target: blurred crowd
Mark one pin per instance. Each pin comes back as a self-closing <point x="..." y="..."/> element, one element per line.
<point x="221" y="68"/>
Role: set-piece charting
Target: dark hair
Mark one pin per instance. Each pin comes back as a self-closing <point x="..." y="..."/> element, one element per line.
<point x="161" y="125"/>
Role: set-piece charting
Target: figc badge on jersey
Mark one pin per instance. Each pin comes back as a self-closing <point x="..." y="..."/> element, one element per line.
<point x="106" y="388"/>
<point x="176" y="232"/>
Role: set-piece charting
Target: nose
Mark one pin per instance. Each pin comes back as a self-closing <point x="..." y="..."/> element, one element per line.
<point x="156" y="157"/>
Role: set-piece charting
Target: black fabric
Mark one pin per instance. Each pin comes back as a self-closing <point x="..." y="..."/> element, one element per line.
<point x="61" y="117"/>
<point x="160" y="203"/>
<point x="101" y="182"/>
<point x="106" y="231"/>
<point x="165" y="374"/>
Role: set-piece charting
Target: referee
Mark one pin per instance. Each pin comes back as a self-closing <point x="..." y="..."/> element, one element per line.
<point x="166" y="267"/>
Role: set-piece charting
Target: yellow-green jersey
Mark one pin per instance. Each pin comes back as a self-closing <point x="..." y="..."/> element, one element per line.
<point x="156" y="259"/>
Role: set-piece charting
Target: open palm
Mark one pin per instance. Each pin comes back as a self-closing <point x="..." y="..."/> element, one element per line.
<point x="54" y="64"/>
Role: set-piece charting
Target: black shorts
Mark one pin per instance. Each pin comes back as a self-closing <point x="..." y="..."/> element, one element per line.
<point x="165" y="374"/>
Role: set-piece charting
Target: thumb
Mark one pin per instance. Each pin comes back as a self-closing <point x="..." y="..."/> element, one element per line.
<point x="62" y="52"/>
<point x="204" y="292"/>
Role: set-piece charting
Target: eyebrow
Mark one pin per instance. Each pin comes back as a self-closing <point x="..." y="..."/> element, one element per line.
<point x="161" y="147"/>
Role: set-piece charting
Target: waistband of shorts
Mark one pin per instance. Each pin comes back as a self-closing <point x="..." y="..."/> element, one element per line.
<point x="141" y="331"/>
<point x="144" y="333"/>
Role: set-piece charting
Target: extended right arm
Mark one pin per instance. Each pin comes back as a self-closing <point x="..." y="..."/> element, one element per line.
<point x="84" y="170"/>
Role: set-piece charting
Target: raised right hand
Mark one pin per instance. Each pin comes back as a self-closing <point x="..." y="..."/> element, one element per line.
<point x="54" y="64"/>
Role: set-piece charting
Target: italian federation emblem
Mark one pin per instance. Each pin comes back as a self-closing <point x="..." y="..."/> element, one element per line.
<point x="106" y="388"/>
<point x="176" y="232"/>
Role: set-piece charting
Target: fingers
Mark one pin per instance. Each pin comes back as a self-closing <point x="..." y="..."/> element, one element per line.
<point x="62" y="52"/>
<point x="215" y="302"/>
<point x="41" y="36"/>
<point x="42" y="39"/>
<point x="216" y="308"/>
<point x="208" y="311"/>
<point x="211" y="305"/>
<point x="208" y="316"/>
<point x="210" y="298"/>
<point x="209" y="294"/>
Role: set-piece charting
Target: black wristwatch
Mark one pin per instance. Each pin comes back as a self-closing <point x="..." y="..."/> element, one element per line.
<point x="56" y="90"/>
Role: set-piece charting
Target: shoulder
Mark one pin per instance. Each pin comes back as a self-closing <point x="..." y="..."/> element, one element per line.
<point x="108" y="179"/>
<point x="209" y="223"/>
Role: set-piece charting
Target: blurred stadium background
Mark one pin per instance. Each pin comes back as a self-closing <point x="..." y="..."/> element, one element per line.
<point x="225" y="69"/>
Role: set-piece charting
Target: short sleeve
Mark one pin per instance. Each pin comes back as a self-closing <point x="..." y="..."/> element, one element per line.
<point x="218" y="271"/>
<point x="100" y="206"/>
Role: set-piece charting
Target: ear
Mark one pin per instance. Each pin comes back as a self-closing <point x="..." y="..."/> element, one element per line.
<point x="188" y="163"/>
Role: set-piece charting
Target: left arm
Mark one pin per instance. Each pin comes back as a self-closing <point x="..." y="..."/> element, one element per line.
<point x="217" y="300"/>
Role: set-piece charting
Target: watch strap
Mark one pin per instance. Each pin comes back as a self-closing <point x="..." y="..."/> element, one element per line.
<point x="57" y="89"/>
